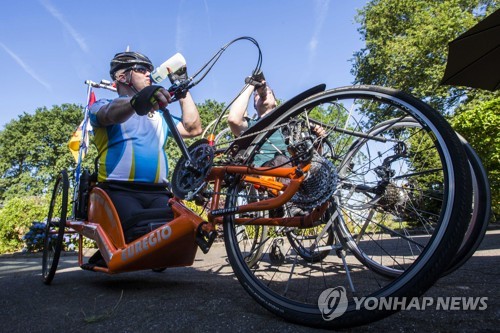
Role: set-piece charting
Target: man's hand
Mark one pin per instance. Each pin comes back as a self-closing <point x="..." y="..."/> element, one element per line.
<point x="150" y="99"/>
<point x="318" y="130"/>
<point x="179" y="77"/>
<point x="257" y="80"/>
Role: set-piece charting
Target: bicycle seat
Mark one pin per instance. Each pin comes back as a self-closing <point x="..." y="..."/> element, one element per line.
<point x="269" y="118"/>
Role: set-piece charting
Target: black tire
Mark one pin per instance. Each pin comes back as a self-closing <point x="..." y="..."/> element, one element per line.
<point x="159" y="270"/>
<point x="481" y="211"/>
<point x="293" y="289"/>
<point x="308" y="243"/>
<point x="54" y="230"/>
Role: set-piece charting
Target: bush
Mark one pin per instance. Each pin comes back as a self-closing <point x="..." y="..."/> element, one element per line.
<point x="16" y="219"/>
<point x="479" y="126"/>
<point x="34" y="239"/>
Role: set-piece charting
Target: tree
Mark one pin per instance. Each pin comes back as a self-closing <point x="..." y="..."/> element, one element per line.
<point x="407" y="45"/>
<point x="479" y="125"/>
<point x="33" y="149"/>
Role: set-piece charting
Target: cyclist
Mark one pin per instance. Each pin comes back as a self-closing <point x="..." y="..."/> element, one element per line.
<point x="273" y="152"/>
<point x="130" y="134"/>
<point x="264" y="102"/>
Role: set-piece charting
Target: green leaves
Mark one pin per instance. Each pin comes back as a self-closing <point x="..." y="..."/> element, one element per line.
<point x="34" y="147"/>
<point x="407" y="45"/>
<point x="407" y="48"/>
<point x="15" y="219"/>
<point x="479" y="124"/>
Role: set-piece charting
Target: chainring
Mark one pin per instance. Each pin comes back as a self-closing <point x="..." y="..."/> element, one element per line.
<point x="188" y="181"/>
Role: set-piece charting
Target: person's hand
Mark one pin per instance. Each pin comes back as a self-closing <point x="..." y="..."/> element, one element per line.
<point x="257" y="80"/>
<point x="179" y="77"/>
<point x="150" y="99"/>
<point x="318" y="130"/>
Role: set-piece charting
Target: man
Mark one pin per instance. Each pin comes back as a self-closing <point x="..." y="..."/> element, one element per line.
<point x="273" y="153"/>
<point x="264" y="102"/>
<point x="130" y="134"/>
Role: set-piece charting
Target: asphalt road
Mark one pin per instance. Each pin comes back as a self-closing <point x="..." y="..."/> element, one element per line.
<point x="207" y="297"/>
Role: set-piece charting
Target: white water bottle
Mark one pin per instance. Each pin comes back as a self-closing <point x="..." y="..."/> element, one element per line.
<point x="172" y="65"/>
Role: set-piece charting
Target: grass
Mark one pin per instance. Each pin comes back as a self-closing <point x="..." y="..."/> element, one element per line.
<point x="102" y="316"/>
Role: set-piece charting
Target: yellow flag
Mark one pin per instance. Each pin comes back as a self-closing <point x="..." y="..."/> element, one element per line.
<point x="74" y="143"/>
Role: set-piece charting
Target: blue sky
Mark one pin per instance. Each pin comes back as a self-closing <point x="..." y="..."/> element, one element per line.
<point x="48" y="48"/>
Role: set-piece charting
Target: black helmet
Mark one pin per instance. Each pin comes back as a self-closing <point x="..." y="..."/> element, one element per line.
<point x="128" y="59"/>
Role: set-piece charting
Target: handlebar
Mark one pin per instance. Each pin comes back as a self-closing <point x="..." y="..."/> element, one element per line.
<point x="103" y="84"/>
<point x="179" y="87"/>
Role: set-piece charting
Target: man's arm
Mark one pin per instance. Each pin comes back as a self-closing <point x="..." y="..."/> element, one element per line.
<point x="121" y="109"/>
<point x="116" y="112"/>
<point x="191" y="122"/>
<point x="236" y="117"/>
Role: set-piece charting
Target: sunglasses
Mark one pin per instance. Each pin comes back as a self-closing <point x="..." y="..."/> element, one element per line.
<point x="139" y="69"/>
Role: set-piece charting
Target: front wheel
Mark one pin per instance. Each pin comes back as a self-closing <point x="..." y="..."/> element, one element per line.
<point x="54" y="230"/>
<point x="405" y="189"/>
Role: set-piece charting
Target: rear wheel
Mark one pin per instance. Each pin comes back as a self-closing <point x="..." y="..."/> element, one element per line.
<point x="426" y="164"/>
<point x="54" y="230"/>
<point x="481" y="210"/>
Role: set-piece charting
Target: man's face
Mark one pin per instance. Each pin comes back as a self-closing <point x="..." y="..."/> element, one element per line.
<point x="138" y="76"/>
<point x="264" y="101"/>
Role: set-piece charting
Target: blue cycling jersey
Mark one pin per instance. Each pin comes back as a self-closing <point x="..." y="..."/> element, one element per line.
<point x="133" y="150"/>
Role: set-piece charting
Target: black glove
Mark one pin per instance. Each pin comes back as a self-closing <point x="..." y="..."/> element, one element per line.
<point x="179" y="77"/>
<point x="256" y="80"/>
<point x="144" y="100"/>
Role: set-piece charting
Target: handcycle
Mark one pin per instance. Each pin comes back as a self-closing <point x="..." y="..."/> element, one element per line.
<point x="319" y="285"/>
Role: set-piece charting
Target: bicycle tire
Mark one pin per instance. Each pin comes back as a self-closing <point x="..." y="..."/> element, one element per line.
<point x="308" y="242"/>
<point x="481" y="212"/>
<point x="53" y="245"/>
<point x="282" y="297"/>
